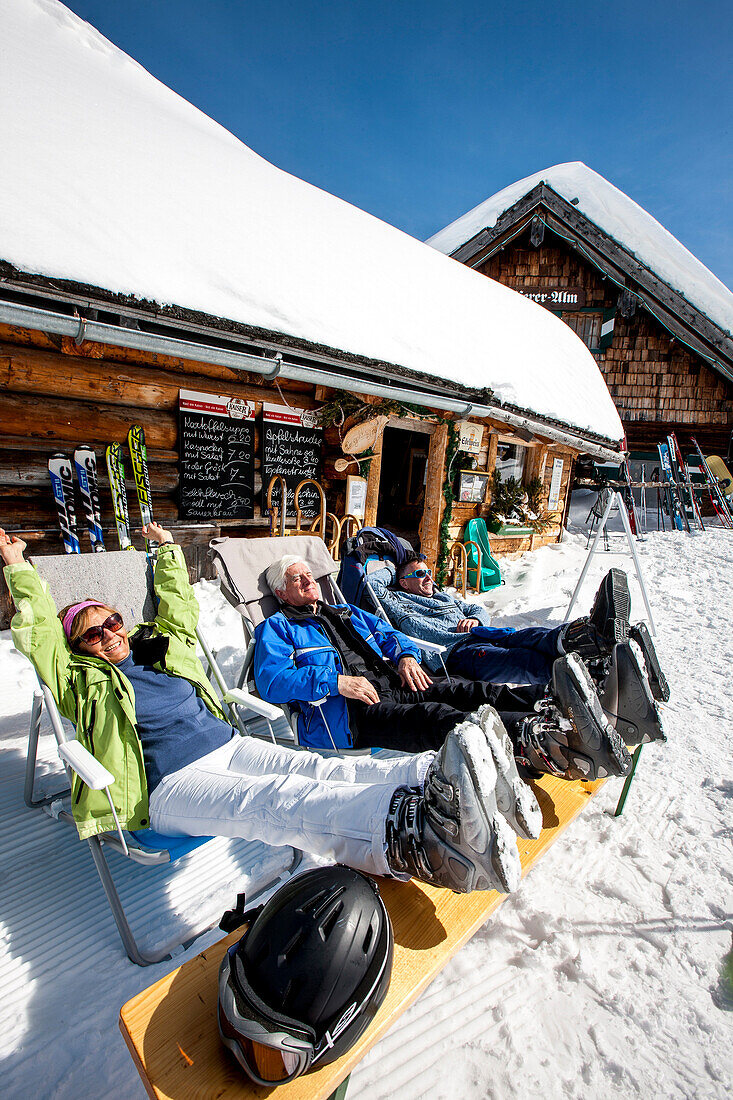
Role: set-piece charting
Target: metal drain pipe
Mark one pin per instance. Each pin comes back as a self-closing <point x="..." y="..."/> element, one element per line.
<point x="81" y="329"/>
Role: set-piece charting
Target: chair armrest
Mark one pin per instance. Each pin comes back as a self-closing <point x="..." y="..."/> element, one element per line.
<point x="430" y="647"/>
<point x="259" y="706"/>
<point x="94" y="774"/>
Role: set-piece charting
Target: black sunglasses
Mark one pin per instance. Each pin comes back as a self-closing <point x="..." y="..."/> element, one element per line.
<point x="95" y="633"/>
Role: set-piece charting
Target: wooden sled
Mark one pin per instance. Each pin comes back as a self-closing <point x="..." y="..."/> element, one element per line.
<point x="170" y="1028"/>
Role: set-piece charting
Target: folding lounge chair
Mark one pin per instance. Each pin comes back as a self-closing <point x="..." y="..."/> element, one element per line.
<point x="123" y="579"/>
<point x="241" y="565"/>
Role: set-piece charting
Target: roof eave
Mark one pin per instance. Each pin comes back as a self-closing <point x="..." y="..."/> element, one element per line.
<point x="216" y="331"/>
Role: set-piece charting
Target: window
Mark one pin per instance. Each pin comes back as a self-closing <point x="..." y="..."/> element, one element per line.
<point x="587" y="326"/>
<point x="510" y="460"/>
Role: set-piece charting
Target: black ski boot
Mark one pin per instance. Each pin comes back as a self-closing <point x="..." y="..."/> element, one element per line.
<point x="627" y="698"/>
<point x="542" y="747"/>
<point x="608" y="623"/>
<point x="657" y="680"/>
<point x="452" y="834"/>
<point x="612" y="605"/>
<point x="594" y="750"/>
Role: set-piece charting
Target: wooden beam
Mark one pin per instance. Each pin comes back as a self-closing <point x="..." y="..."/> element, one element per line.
<point x="372" y="494"/>
<point x="434" y="502"/>
<point x="36" y="371"/>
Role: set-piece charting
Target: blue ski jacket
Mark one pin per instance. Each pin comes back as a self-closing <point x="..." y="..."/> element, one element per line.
<point x="297" y="664"/>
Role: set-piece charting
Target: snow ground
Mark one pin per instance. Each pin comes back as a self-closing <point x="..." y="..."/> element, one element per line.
<point x="600" y="977"/>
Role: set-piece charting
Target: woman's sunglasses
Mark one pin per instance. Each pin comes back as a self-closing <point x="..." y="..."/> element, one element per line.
<point x="420" y="573"/>
<point x="95" y="633"/>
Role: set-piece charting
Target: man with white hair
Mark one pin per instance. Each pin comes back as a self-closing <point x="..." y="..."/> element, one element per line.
<point x="356" y="682"/>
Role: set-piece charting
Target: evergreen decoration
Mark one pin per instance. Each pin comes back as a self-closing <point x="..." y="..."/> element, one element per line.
<point x="514" y="504"/>
<point x="543" y="518"/>
<point x="348" y="407"/>
<point x="441" y="570"/>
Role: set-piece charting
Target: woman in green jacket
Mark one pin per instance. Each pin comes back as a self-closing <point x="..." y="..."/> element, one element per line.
<point x="142" y="705"/>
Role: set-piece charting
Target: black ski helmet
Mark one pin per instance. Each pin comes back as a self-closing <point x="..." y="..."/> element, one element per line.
<point x="308" y="976"/>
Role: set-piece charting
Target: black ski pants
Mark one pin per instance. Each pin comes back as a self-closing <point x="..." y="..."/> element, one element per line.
<point x="414" y="721"/>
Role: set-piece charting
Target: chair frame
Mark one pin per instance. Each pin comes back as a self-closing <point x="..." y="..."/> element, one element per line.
<point x="332" y="593"/>
<point x="125" y="842"/>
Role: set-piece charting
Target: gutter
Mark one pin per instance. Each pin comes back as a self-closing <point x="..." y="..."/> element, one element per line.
<point x="80" y="329"/>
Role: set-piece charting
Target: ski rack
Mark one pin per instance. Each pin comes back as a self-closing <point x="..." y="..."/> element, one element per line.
<point x="614" y="497"/>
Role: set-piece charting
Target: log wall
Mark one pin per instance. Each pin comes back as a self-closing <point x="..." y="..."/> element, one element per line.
<point x="658" y="385"/>
<point x="55" y="396"/>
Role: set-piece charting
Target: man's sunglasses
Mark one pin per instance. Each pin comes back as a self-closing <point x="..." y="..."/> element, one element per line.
<point x="95" y="633"/>
<point x="420" y="573"/>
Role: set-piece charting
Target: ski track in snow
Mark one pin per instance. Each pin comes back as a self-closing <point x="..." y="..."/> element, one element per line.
<point x="600" y="977"/>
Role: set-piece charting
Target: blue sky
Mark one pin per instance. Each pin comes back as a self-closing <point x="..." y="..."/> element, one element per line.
<point x="418" y="111"/>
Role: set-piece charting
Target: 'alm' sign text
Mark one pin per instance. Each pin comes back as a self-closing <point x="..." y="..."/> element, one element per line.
<point x="555" y="297"/>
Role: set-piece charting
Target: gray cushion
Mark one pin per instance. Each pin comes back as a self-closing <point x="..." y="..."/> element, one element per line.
<point x="123" y="579"/>
<point x="241" y="565"/>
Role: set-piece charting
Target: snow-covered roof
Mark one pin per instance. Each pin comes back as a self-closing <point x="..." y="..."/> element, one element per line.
<point x="110" y="179"/>
<point x="618" y="216"/>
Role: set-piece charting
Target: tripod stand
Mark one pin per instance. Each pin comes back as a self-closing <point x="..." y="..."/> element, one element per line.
<point x="614" y="497"/>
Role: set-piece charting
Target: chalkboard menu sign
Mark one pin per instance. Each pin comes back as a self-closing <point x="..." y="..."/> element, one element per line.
<point x="216" y="445"/>
<point x="291" y="447"/>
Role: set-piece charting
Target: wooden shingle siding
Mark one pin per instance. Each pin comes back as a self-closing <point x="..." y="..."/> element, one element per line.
<point x="657" y="384"/>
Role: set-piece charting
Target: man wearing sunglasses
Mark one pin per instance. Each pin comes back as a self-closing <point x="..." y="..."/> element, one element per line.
<point x="356" y="682"/>
<point x="629" y="685"/>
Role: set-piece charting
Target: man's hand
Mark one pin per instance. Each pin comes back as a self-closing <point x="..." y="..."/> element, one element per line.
<point x="357" y="687"/>
<point x="11" y="548"/>
<point x="466" y="625"/>
<point x="412" y="675"/>
<point x="155" y="533"/>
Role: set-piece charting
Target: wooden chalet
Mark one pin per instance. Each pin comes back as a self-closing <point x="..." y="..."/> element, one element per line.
<point x="160" y="298"/>
<point x="657" y="322"/>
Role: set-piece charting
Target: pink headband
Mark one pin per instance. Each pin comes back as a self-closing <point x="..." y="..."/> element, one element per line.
<point x="68" y="620"/>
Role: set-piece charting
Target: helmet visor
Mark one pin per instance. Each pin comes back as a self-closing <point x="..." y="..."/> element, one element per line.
<point x="271" y="1065"/>
<point x="271" y="1048"/>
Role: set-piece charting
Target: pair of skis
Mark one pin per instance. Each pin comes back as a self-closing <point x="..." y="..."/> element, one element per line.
<point x="684" y="483"/>
<point x="717" y="497"/>
<point x="61" y="472"/>
<point x="116" y="474"/>
<point x="674" y="500"/>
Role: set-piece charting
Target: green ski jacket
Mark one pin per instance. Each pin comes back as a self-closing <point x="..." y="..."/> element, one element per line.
<point x="99" y="699"/>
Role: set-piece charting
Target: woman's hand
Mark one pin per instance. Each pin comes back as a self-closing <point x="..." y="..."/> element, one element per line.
<point x="412" y="675"/>
<point x="11" y="548"/>
<point x="155" y="533"/>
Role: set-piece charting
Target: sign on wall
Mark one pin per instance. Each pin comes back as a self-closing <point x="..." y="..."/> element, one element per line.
<point x="555" y="483"/>
<point x="216" y="440"/>
<point x="362" y="437"/>
<point x="356" y="493"/>
<point x="291" y="447"/>
<point x="470" y="436"/>
<point x="554" y="297"/>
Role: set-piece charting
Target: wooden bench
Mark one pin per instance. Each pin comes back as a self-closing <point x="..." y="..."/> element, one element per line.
<point x="170" y="1028"/>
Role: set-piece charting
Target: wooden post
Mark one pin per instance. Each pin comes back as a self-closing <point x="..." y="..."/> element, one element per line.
<point x="372" y="493"/>
<point x="434" y="503"/>
<point x="490" y="464"/>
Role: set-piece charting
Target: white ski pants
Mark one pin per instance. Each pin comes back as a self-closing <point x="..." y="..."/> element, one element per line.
<point x="335" y="807"/>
